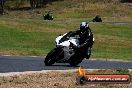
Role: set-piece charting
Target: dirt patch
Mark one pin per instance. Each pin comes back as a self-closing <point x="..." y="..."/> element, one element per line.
<point x="55" y="79"/>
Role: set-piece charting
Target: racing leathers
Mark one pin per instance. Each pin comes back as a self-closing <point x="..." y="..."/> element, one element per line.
<point x="85" y="42"/>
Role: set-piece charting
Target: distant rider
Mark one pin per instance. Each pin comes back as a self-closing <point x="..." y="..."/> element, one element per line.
<point x="97" y="19"/>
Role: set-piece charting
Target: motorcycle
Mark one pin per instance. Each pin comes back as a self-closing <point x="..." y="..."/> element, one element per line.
<point x="64" y="52"/>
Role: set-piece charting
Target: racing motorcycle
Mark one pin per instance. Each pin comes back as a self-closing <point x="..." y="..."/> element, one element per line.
<point x="64" y="52"/>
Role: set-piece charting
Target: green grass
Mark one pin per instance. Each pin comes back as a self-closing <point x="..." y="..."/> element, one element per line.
<point x="111" y="40"/>
<point x="73" y="9"/>
<point x="19" y="41"/>
<point x="26" y="33"/>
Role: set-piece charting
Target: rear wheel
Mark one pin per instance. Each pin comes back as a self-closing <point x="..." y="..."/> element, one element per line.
<point x="52" y="56"/>
<point x="75" y="60"/>
<point x="88" y="53"/>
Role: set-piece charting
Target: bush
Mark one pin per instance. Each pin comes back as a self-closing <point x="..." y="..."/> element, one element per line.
<point x="123" y="1"/>
<point x="15" y="3"/>
<point x="122" y="71"/>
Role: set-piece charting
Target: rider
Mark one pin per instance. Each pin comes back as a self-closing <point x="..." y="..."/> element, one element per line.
<point x="85" y="38"/>
<point x="97" y="19"/>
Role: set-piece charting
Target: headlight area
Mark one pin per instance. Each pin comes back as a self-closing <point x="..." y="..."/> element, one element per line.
<point x="60" y="46"/>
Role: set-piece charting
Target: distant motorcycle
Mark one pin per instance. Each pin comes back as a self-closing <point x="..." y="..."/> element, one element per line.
<point x="64" y="51"/>
<point x="97" y="19"/>
<point x="48" y="17"/>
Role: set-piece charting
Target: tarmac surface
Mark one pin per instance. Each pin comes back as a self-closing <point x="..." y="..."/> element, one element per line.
<point x="22" y="64"/>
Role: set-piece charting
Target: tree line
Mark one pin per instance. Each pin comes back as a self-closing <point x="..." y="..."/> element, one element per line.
<point x="19" y="3"/>
<point x="123" y="1"/>
<point x="33" y="3"/>
<point x="8" y="4"/>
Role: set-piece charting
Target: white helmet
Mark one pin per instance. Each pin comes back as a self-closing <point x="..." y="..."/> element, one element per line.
<point x="84" y="26"/>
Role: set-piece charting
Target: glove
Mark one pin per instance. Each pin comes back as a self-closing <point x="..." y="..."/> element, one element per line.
<point x="75" y="47"/>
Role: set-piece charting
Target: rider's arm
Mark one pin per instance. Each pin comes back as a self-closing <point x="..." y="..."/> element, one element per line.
<point x="84" y="44"/>
<point x="88" y="41"/>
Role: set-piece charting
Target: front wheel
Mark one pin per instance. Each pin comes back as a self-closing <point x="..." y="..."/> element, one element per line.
<point x="52" y="56"/>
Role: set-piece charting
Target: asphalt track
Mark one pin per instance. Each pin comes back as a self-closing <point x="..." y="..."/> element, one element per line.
<point x="22" y="64"/>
